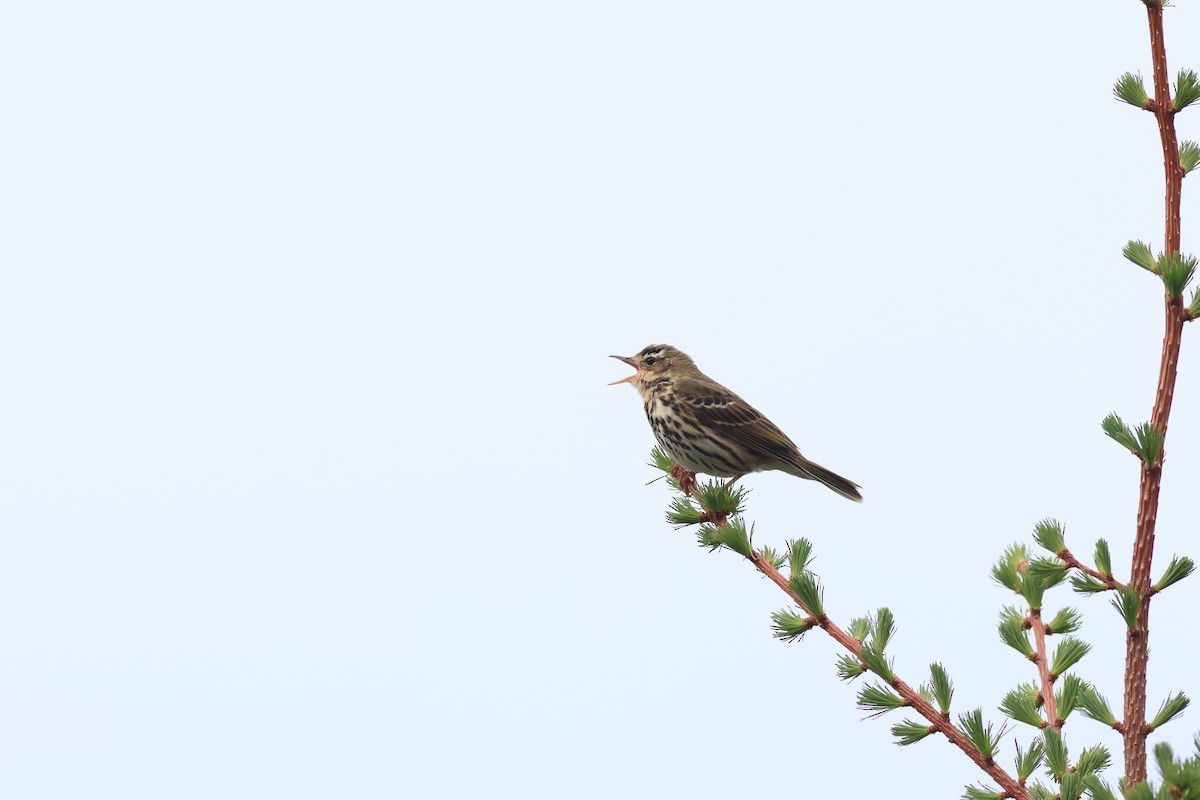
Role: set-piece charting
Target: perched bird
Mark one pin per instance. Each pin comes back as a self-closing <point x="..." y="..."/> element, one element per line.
<point x="706" y="428"/>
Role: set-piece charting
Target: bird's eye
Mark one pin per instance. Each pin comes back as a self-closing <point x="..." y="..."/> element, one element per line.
<point x="650" y="360"/>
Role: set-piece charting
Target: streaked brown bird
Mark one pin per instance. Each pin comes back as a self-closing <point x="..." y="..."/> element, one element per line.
<point x="706" y="428"/>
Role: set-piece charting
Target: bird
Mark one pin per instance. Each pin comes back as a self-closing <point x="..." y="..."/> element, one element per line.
<point x="706" y="428"/>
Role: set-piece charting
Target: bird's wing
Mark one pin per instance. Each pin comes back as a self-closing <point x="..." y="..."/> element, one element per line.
<point x="726" y="413"/>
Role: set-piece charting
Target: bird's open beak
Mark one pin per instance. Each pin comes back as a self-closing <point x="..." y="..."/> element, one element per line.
<point x="631" y="363"/>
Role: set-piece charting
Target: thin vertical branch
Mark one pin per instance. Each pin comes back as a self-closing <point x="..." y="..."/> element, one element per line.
<point x="1165" y="113"/>
<point x="1137" y="641"/>
<point x="1043" y="664"/>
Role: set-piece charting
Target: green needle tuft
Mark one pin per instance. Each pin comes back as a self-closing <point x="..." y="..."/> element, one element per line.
<point x="1068" y="695"/>
<point x="1086" y="584"/>
<point x="849" y="667"/>
<point x="1093" y="760"/>
<point x="979" y="734"/>
<point x="1118" y="431"/>
<point x="1130" y="89"/>
<point x="943" y="687"/>
<point x="1139" y="253"/>
<point x="1126" y="603"/>
<point x="1068" y="653"/>
<point x="1179" y="568"/>
<point x="1049" y="534"/>
<point x="799" y="556"/>
<point x="1029" y="759"/>
<point x="1056" y="753"/>
<point x="1176" y="271"/>
<point x="808" y="588"/>
<point x="909" y="732"/>
<point x="1189" y="155"/>
<point x="1187" y="89"/>
<point x="790" y="626"/>
<point x="883" y="628"/>
<point x="1171" y="708"/>
<point x="1103" y="557"/>
<point x="1093" y="705"/>
<point x="1021" y="704"/>
<point x="1067" y="620"/>
<point x="1013" y="634"/>
<point x="860" y="628"/>
<point x="879" y="699"/>
<point x="876" y="661"/>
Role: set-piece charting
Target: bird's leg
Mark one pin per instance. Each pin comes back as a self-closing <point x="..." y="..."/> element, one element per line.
<point x="686" y="479"/>
<point x="732" y="481"/>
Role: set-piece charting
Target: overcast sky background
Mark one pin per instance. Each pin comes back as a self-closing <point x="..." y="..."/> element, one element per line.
<point x="313" y="485"/>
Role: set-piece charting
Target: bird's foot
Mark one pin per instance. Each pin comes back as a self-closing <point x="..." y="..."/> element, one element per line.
<point x="732" y="481"/>
<point x="686" y="479"/>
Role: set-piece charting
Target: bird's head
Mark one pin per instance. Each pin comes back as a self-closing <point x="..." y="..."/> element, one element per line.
<point x="654" y="362"/>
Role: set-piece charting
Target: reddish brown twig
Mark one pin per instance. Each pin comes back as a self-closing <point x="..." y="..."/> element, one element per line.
<point x="686" y="480"/>
<point x="1137" y="641"/>
<point x="1043" y="664"/>
<point x="1068" y="558"/>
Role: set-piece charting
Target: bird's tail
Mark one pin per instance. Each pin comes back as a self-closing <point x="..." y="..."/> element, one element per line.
<point x="803" y="468"/>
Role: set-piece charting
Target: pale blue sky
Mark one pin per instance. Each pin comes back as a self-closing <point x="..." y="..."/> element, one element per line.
<point x="314" y="486"/>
